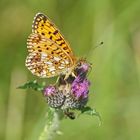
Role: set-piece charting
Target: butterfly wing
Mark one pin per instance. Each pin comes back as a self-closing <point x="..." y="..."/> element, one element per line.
<point x="43" y="26"/>
<point x="46" y="58"/>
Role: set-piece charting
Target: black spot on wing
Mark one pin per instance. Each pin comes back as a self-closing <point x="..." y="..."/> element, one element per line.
<point x="55" y="32"/>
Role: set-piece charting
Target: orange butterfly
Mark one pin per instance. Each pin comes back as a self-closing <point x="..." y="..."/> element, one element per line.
<point x="49" y="54"/>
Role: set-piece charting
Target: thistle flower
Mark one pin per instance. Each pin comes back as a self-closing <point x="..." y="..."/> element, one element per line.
<point x="80" y="87"/>
<point x="82" y="67"/>
<point x="49" y="90"/>
<point x="68" y="94"/>
<point x="71" y="93"/>
<point x="53" y="96"/>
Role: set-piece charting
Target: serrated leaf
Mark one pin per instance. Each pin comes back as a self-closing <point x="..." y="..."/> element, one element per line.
<point x="92" y="112"/>
<point x="32" y="85"/>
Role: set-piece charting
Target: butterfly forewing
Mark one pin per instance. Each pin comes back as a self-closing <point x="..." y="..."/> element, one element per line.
<point x="43" y="26"/>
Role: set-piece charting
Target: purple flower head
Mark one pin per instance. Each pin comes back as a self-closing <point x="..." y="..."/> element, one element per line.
<point x="85" y="67"/>
<point x="80" y="88"/>
<point x="82" y="68"/>
<point x="49" y="90"/>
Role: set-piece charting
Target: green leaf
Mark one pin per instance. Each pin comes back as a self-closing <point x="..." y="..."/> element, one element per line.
<point x="92" y="112"/>
<point x="32" y="85"/>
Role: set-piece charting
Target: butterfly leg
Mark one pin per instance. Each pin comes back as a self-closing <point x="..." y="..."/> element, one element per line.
<point x="73" y="74"/>
<point x="57" y="80"/>
<point x="68" y="75"/>
<point x="61" y="80"/>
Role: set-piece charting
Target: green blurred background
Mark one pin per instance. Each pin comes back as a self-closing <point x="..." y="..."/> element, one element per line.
<point x="115" y="77"/>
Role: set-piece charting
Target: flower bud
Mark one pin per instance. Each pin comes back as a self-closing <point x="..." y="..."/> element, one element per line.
<point x="49" y="90"/>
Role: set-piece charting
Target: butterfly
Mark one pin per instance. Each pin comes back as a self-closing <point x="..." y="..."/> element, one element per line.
<point x="49" y="54"/>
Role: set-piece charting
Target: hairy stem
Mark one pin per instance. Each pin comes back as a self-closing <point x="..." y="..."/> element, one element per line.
<point x="51" y="126"/>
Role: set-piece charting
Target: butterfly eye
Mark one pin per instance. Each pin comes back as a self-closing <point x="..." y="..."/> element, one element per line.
<point x="79" y="64"/>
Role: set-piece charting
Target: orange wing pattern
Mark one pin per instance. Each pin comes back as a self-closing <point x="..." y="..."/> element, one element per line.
<point x="43" y="26"/>
<point x="49" y="54"/>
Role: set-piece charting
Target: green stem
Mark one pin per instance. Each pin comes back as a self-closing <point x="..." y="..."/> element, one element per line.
<point x="52" y="125"/>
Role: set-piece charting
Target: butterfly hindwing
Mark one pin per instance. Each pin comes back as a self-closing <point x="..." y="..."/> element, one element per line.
<point x="45" y="58"/>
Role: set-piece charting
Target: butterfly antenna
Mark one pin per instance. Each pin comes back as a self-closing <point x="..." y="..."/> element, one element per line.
<point x="100" y="44"/>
